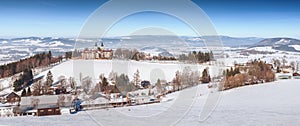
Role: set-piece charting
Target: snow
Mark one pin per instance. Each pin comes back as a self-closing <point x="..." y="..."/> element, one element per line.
<point x="29" y="41"/>
<point x="296" y="47"/>
<point x="45" y="99"/>
<point x="4" y="86"/>
<point x="196" y="39"/>
<point x="148" y="70"/>
<point x="276" y="103"/>
<point x="54" y="44"/>
<point x="265" y="48"/>
<point x="283" y="41"/>
<point x="4" y="42"/>
<point x="152" y="52"/>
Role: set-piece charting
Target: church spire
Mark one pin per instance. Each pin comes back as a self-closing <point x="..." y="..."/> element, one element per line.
<point x="96" y="46"/>
<point x="102" y="46"/>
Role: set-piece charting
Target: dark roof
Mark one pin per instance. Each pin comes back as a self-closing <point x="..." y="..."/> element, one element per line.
<point x="12" y="94"/>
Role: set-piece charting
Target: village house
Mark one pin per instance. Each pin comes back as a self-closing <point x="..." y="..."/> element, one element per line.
<point x="13" y="98"/>
<point x="97" y="53"/>
<point x="48" y="111"/>
<point x="3" y="99"/>
<point x="44" y="105"/>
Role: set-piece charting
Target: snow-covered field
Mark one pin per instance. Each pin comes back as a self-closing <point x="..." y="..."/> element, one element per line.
<point x="275" y="104"/>
<point x="234" y="55"/>
<point x="148" y="70"/>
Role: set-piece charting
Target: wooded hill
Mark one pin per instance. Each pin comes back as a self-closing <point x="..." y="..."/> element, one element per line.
<point x="38" y="60"/>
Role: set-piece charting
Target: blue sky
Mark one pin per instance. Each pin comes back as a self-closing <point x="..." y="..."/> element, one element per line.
<point x="237" y="18"/>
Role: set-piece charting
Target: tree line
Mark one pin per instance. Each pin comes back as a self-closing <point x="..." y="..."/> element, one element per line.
<point x="38" y="60"/>
<point x="25" y="79"/>
<point x="188" y="78"/>
<point x="197" y="57"/>
<point x="134" y="54"/>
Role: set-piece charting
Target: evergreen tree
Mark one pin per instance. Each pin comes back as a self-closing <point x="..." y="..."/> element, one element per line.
<point x="231" y="72"/>
<point x="17" y="85"/>
<point x="211" y="55"/>
<point x="68" y="55"/>
<point x="136" y="78"/>
<point x="278" y="69"/>
<point x="23" y="93"/>
<point x="49" y="54"/>
<point x="49" y="81"/>
<point x="237" y="71"/>
<point x="205" y="76"/>
<point x="104" y="83"/>
<point x="28" y="91"/>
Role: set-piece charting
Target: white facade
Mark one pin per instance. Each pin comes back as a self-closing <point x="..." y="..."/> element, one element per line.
<point x="6" y="111"/>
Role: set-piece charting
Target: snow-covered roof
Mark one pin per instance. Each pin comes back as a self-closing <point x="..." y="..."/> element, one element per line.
<point x="44" y="99"/>
<point x="5" y="105"/>
<point x="99" y="100"/>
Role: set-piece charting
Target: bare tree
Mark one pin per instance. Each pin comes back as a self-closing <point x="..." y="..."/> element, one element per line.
<point x="186" y="76"/>
<point x="297" y="66"/>
<point x="72" y="82"/>
<point x="86" y="84"/>
<point x="276" y="63"/>
<point x="284" y="61"/>
<point x="35" y="102"/>
<point x="177" y="80"/>
<point x="80" y="76"/>
<point x="38" y="88"/>
<point x="60" y="100"/>
<point x="63" y="81"/>
<point x="293" y="65"/>
<point x="195" y="77"/>
<point x="118" y="53"/>
<point x="158" y="86"/>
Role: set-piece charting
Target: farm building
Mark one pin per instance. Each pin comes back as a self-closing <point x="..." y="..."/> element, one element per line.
<point x="48" y="111"/>
<point x="13" y="98"/>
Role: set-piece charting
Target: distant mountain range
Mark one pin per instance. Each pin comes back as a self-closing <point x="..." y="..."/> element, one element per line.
<point x="282" y="44"/>
<point x="227" y="41"/>
<point x="16" y="48"/>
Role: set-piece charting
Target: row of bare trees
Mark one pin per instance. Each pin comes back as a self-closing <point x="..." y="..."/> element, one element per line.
<point x="42" y="87"/>
<point x="280" y="64"/>
<point x="252" y="73"/>
<point x="188" y="78"/>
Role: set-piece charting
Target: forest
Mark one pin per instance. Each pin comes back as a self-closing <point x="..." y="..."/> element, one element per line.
<point x="37" y="60"/>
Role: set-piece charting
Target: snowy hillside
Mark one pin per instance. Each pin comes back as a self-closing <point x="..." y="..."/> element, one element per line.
<point x="282" y="44"/>
<point x="148" y="70"/>
<point x="276" y="103"/>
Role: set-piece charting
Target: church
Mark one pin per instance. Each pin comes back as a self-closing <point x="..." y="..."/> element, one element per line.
<point x="97" y="53"/>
